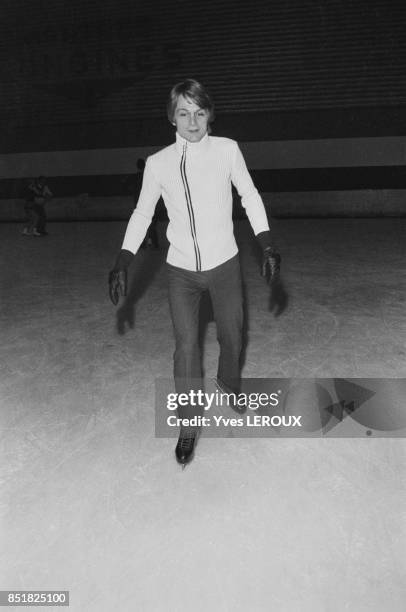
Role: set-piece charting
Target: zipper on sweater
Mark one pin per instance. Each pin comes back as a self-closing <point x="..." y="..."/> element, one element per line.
<point x="190" y="210"/>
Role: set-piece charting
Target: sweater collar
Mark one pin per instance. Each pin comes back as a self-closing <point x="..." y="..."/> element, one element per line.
<point x="191" y="147"/>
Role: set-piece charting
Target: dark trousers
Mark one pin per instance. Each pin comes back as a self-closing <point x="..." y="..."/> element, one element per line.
<point x="30" y="217"/>
<point x="185" y="291"/>
<point x="151" y="237"/>
<point x="152" y="234"/>
<point x="41" y="222"/>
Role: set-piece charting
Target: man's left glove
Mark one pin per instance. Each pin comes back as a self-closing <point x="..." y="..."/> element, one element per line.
<point x="118" y="276"/>
<point x="271" y="264"/>
<point x="117" y="285"/>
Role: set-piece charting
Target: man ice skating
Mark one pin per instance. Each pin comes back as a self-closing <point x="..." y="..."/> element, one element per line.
<point x="194" y="176"/>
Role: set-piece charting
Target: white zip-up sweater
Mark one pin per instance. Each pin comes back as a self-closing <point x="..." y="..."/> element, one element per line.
<point x="194" y="180"/>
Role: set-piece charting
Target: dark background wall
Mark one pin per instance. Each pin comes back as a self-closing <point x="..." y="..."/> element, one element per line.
<point x="94" y="76"/>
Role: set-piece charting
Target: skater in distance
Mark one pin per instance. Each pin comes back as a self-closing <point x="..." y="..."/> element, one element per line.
<point x="38" y="194"/>
<point x="194" y="176"/>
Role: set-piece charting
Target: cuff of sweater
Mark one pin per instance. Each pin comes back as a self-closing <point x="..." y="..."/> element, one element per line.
<point x="123" y="260"/>
<point x="264" y="239"/>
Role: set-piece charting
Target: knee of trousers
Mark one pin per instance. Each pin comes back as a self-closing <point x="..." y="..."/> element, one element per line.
<point x="233" y="346"/>
<point x="230" y="335"/>
<point x="186" y="348"/>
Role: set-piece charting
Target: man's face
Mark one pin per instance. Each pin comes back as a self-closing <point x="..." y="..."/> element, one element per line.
<point x="191" y="121"/>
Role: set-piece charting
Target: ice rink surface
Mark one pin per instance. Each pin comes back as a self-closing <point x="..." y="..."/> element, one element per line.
<point x="93" y="503"/>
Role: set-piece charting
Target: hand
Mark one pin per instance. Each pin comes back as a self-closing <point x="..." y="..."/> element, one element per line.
<point x="271" y="264"/>
<point x="117" y="285"/>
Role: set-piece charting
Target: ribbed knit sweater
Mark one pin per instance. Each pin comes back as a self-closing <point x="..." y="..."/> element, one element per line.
<point x="194" y="180"/>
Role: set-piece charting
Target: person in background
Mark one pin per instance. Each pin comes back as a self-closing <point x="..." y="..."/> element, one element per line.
<point x="37" y="196"/>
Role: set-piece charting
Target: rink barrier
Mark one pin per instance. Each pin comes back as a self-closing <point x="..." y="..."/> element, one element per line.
<point x="321" y="204"/>
<point x="327" y="177"/>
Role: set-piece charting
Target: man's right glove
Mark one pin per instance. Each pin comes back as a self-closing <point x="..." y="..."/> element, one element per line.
<point x="118" y="276"/>
<point x="271" y="260"/>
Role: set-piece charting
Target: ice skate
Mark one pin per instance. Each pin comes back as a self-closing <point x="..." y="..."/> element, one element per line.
<point x="185" y="447"/>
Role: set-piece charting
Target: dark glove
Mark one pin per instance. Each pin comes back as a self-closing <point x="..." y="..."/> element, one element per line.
<point x="118" y="276"/>
<point x="117" y="285"/>
<point x="271" y="264"/>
